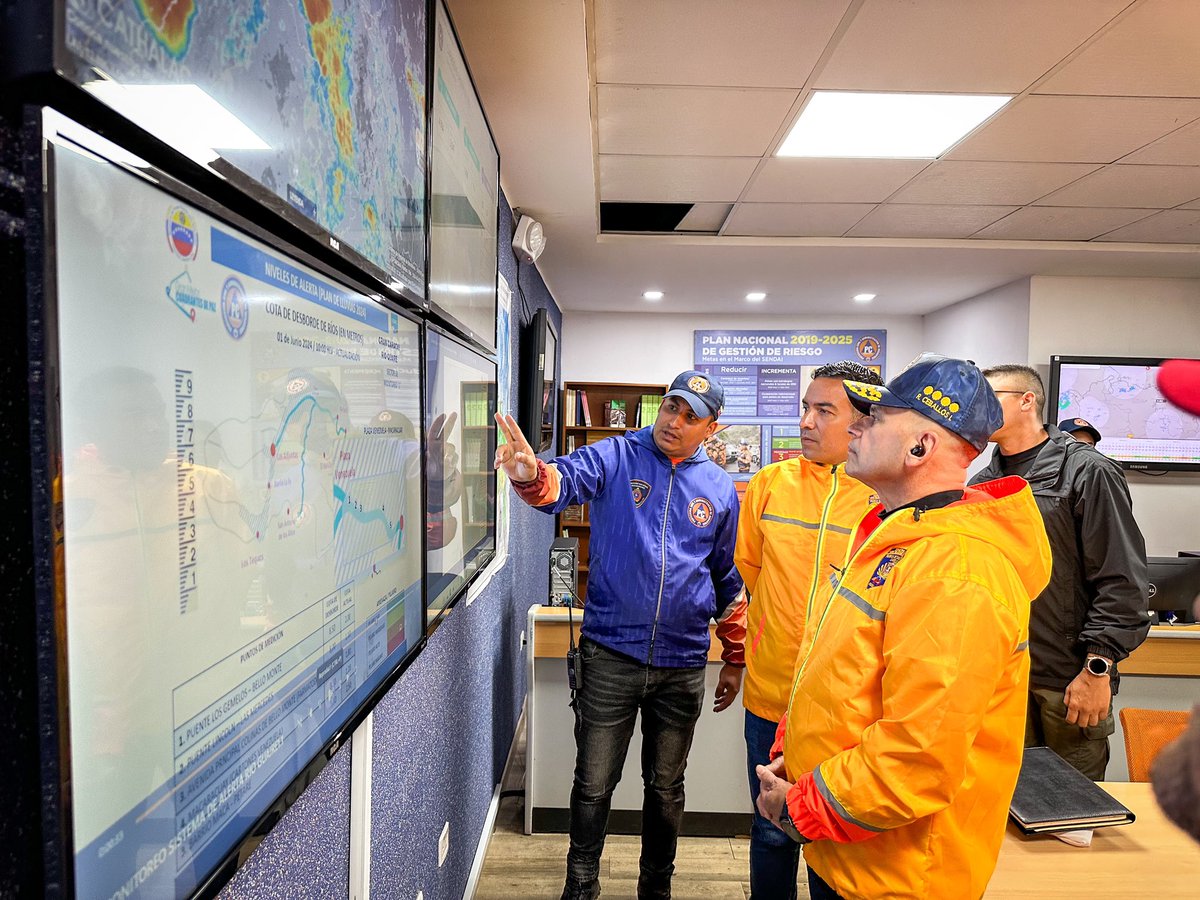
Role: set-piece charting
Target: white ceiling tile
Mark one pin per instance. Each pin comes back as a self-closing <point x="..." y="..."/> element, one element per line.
<point x="1152" y="52"/>
<point x="1050" y="223"/>
<point x="1145" y="187"/>
<point x="810" y="180"/>
<point x="1173" y="226"/>
<point x="707" y="217"/>
<point x="767" y="43"/>
<point x="671" y="179"/>
<point x="1075" y="129"/>
<point x="682" y="121"/>
<point x="1002" y="183"/>
<point x="1179" y="148"/>
<point x="904" y="220"/>
<point x="949" y="45"/>
<point x="795" y="219"/>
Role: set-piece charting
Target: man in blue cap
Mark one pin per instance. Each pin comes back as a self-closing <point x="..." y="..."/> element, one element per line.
<point x="1080" y="429"/>
<point x="903" y="738"/>
<point x="664" y="522"/>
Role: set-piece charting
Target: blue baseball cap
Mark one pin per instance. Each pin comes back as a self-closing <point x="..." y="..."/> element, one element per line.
<point x="951" y="392"/>
<point x="703" y="393"/>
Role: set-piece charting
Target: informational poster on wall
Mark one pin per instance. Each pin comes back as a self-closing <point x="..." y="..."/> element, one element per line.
<point x="764" y="374"/>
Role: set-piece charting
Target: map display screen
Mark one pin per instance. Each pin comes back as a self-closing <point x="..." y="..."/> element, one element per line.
<point x="464" y="171"/>
<point x="1120" y="397"/>
<point x="460" y="400"/>
<point x="335" y="91"/>
<point x="241" y="520"/>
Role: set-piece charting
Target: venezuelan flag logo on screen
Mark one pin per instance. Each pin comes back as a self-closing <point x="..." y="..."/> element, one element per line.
<point x="182" y="236"/>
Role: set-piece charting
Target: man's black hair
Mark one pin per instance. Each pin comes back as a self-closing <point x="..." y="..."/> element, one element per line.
<point x="848" y="371"/>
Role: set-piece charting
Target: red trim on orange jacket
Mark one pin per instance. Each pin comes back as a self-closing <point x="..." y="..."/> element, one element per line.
<point x="543" y="489"/>
<point x="814" y="817"/>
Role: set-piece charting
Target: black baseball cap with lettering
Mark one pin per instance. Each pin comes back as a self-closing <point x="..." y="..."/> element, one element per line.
<point x="951" y="392"/>
<point x="703" y="393"/>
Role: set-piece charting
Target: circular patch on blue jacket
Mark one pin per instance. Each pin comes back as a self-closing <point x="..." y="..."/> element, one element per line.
<point x="701" y="512"/>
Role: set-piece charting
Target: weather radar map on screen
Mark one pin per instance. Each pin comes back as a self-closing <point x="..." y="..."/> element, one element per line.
<point x="334" y="88"/>
<point x="1137" y="424"/>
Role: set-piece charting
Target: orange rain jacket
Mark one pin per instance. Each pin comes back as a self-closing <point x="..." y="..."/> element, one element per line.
<point x="906" y="722"/>
<point x="795" y="527"/>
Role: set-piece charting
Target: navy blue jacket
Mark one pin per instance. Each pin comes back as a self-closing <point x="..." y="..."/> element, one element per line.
<point x="660" y="555"/>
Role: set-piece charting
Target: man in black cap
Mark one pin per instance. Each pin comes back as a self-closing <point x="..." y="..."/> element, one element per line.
<point x="664" y="522"/>
<point x="1093" y="613"/>
<point x="1080" y="429"/>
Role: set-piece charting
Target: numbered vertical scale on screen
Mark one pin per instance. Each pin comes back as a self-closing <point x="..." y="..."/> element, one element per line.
<point x="185" y="484"/>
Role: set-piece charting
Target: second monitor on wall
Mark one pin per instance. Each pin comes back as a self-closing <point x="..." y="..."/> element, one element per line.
<point x="538" y="391"/>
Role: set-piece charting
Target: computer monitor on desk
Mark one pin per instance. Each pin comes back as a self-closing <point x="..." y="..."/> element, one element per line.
<point x="1174" y="584"/>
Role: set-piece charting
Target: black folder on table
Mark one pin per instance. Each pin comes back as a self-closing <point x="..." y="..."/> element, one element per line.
<point x="1052" y="796"/>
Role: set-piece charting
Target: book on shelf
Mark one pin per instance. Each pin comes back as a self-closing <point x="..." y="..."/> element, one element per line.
<point x="648" y="409"/>
<point x="584" y="410"/>
<point x="573" y="513"/>
<point x="570" y="407"/>
<point x="1052" y="795"/>
<point x="614" y="413"/>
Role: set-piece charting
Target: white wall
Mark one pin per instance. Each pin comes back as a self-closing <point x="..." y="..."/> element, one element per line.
<point x="652" y="348"/>
<point x="992" y="328"/>
<point x="1127" y="317"/>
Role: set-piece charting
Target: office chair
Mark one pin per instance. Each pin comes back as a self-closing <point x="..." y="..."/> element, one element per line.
<point x="1147" y="731"/>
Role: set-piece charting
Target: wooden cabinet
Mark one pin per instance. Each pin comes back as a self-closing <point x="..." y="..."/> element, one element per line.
<point x="593" y="402"/>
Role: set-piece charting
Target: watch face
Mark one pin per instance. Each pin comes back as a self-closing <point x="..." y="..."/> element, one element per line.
<point x="1098" y="666"/>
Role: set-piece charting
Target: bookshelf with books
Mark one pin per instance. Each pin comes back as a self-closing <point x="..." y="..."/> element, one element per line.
<point x="593" y="411"/>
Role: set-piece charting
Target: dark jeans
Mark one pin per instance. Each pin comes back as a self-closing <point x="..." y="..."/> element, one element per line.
<point x="774" y="857"/>
<point x="819" y="890"/>
<point x="1084" y="748"/>
<point x="615" y="688"/>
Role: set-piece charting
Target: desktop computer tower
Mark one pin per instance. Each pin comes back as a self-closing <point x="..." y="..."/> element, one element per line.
<point x="564" y="571"/>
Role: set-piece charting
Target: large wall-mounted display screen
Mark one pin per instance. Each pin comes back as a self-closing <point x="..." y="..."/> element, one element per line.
<point x="1119" y="396"/>
<point x="460" y="400"/>
<point x="320" y="105"/>
<point x="464" y="171"/>
<point x="242" y="519"/>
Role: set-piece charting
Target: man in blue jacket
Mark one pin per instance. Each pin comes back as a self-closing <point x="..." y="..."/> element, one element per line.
<point x="664" y="524"/>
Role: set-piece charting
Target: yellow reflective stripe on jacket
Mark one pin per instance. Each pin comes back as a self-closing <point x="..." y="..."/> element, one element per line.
<point x="796" y="523"/>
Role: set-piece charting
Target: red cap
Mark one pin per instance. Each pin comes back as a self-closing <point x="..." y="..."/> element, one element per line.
<point x="1179" y="381"/>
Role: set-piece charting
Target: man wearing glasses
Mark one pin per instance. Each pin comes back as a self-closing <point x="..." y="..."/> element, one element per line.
<point x="1093" y="613"/>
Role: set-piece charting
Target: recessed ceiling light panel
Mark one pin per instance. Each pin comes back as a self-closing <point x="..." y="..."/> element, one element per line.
<point x="652" y="295"/>
<point x="863" y="298"/>
<point x="893" y="126"/>
<point x="756" y="296"/>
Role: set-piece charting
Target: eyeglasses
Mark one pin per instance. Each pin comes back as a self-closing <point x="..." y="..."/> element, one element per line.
<point x="1010" y="392"/>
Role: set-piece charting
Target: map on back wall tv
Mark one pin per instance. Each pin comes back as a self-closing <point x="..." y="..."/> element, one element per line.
<point x="332" y="95"/>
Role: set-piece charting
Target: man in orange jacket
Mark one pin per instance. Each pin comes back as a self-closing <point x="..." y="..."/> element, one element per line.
<point x="797" y="518"/>
<point x="905" y="726"/>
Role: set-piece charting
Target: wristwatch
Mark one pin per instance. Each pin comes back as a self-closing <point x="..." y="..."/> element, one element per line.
<point x="788" y="827"/>
<point x="1098" y="666"/>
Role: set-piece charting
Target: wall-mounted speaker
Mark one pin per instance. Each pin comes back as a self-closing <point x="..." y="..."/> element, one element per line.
<point x="564" y="571"/>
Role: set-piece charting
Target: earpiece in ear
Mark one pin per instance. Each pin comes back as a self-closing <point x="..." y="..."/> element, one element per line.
<point x="917" y="450"/>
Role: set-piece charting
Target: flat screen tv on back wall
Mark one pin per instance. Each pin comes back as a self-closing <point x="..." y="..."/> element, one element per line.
<point x="1119" y="395"/>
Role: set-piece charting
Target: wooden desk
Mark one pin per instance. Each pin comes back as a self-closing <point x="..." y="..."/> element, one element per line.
<point x="1149" y="859"/>
<point x="1167" y="650"/>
